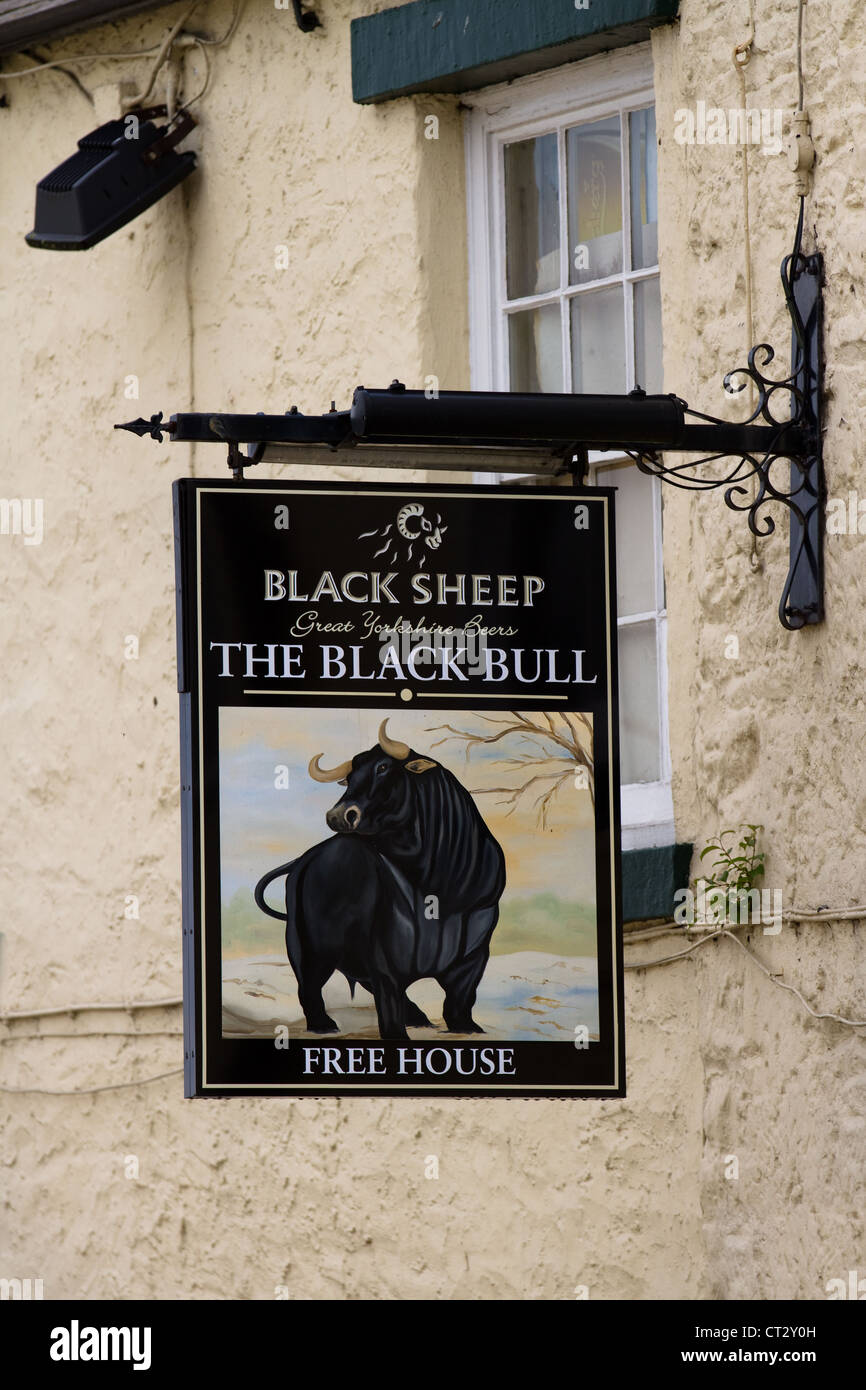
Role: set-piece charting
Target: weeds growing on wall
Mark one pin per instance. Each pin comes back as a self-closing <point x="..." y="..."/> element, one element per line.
<point x="738" y="865"/>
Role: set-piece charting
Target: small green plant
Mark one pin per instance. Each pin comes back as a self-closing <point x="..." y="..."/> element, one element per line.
<point x="737" y="867"/>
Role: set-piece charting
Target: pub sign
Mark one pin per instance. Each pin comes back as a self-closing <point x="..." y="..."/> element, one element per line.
<point x="400" y="789"/>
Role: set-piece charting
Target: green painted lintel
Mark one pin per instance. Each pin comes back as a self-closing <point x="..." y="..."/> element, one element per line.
<point x="650" y="877"/>
<point x="458" y="45"/>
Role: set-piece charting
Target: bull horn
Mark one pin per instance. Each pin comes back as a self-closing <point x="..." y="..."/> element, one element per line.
<point x="319" y="774"/>
<point x="390" y="745"/>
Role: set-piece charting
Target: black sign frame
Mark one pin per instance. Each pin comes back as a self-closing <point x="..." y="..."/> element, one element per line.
<point x="225" y="1066"/>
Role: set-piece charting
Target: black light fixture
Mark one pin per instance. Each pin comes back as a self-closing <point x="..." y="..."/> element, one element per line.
<point x="550" y="435"/>
<point x="119" y="170"/>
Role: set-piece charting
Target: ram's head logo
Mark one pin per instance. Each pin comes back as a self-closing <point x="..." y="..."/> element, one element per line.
<point x="412" y="525"/>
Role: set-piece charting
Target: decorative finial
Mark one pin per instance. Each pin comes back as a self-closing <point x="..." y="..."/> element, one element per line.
<point x="154" y="427"/>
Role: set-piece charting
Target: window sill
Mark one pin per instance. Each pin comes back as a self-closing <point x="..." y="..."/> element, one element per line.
<point x="650" y="878"/>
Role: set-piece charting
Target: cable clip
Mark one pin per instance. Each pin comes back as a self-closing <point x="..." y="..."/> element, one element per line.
<point x="801" y="153"/>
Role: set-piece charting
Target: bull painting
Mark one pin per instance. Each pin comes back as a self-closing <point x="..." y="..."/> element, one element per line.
<point x="407" y="888"/>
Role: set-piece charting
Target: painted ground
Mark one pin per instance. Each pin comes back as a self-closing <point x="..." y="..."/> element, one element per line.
<point x="526" y="995"/>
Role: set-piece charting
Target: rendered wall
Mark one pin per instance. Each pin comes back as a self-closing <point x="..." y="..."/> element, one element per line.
<point x="776" y="735"/>
<point x="329" y="1198"/>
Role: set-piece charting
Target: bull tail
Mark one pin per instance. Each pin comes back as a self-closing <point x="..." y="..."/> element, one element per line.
<point x="263" y="883"/>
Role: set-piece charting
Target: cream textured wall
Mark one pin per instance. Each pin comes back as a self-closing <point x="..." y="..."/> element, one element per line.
<point x="329" y="1198"/>
<point x="777" y="735"/>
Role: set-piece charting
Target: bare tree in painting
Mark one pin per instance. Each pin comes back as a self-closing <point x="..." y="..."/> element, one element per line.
<point x="564" y="739"/>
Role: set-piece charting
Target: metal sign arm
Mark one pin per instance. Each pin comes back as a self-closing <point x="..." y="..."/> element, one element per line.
<point x="549" y="435"/>
<point x="479" y="420"/>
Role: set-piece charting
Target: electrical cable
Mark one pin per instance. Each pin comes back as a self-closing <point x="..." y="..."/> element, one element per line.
<point x="162" y="51"/>
<point x="89" y="1090"/>
<point x="229" y="33"/>
<point x="207" y="68"/>
<point x="76" y="58"/>
<point x="725" y="931"/>
<point x="92" y="1008"/>
<point x="800" y="6"/>
<point x="741" y="57"/>
<point x="64" y="72"/>
<point x="794" y="914"/>
<point x="631" y="965"/>
<point x="204" y="44"/>
<point x="96" y="1033"/>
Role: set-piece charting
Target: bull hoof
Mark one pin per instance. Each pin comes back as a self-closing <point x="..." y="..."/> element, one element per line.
<point x="323" y="1025"/>
<point x="470" y="1026"/>
<point x="415" y="1017"/>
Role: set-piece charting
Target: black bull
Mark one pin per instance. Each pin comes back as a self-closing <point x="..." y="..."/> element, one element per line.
<point x="407" y="889"/>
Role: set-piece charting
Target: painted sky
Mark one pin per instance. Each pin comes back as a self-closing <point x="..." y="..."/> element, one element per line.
<point x="262" y="826"/>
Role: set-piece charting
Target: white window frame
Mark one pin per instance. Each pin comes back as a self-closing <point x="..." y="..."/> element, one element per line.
<point x="590" y="90"/>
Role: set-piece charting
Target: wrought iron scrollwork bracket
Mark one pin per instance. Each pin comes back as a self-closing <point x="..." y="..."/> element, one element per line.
<point x="751" y="483"/>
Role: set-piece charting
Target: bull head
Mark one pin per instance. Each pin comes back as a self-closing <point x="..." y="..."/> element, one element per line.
<point x="375" y="799"/>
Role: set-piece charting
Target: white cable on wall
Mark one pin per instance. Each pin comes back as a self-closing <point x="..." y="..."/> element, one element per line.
<point x="774" y="979"/>
<point x="92" y="1008"/>
<point x="90" y="1090"/>
<point x="631" y="965"/>
<point x="162" y="50"/>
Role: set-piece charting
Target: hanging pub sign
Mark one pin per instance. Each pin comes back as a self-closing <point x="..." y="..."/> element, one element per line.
<point x="400" y="789"/>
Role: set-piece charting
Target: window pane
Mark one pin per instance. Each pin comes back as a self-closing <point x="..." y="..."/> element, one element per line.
<point x="638" y="704"/>
<point x="644" y="188"/>
<point x="594" y="163"/>
<point x="535" y="349"/>
<point x="635" y="545"/>
<point x="648" y="335"/>
<point x="532" y="216"/>
<point x="598" y="341"/>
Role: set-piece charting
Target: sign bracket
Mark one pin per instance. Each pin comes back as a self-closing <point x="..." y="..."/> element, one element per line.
<point x="550" y="436"/>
